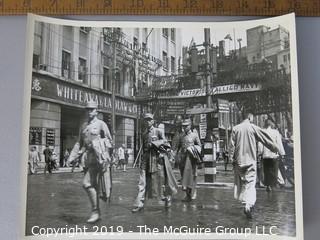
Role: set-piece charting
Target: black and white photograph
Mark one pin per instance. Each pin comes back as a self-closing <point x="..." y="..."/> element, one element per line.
<point x="161" y="130"/>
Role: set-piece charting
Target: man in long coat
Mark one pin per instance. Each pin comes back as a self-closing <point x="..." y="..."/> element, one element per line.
<point x="153" y="165"/>
<point x="95" y="140"/>
<point x="190" y="143"/>
<point x="243" y="153"/>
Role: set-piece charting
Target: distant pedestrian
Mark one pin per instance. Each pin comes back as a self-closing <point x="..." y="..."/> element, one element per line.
<point x="65" y="157"/>
<point x="176" y="145"/>
<point x="243" y="153"/>
<point x="33" y="160"/>
<point x="47" y="152"/>
<point x="271" y="159"/>
<point x="121" y="156"/>
<point x="126" y="159"/>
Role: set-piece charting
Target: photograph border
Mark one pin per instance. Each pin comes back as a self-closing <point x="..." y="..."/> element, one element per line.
<point x="289" y="18"/>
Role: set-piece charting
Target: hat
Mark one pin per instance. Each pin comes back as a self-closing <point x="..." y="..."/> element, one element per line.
<point x="148" y="116"/>
<point x="91" y="104"/>
<point x="186" y="122"/>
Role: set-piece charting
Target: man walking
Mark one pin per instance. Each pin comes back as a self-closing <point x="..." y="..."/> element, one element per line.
<point x="121" y="156"/>
<point x="271" y="159"/>
<point x="243" y="153"/>
<point x="153" y="164"/>
<point x="33" y="160"/>
<point x="95" y="140"/>
<point x="47" y="159"/>
<point x="190" y="151"/>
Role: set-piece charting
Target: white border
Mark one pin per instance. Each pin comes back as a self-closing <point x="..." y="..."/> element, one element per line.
<point x="286" y="20"/>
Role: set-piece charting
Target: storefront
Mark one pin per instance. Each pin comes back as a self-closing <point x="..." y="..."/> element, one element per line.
<point x="57" y="112"/>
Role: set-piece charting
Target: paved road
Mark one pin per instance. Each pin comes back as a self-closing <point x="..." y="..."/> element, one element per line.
<point x="57" y="200"/>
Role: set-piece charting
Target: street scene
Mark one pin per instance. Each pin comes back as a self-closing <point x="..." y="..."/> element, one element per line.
<point x="160" y="127"/>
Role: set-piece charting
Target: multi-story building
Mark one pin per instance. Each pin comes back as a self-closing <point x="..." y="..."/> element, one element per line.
<point x="273" y="47"/>
<point x="74" y="64"/>
<point x="265" y="43"/>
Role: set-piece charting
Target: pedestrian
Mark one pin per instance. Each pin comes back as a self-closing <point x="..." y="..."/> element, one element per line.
<point x="65" y="157"/>
<point x="243" y="153"/>
<point x="154" y="164"/>
<point x="47" y="158"/>
<point x="54" y="160"/>
<point x="126" y="159"/>
<point x="121" y="156"/>
<point x="33" y="160"/>
<point x="95" y="141"/>
<point x="190" y="157"/>
<point x="270" y="159"/>
<point x="176" y="146"/>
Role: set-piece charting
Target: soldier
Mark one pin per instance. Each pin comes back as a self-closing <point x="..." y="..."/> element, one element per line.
<point x="95" y="140"/>
<point x="190" y="152"/>
<point x="152" y="166"/>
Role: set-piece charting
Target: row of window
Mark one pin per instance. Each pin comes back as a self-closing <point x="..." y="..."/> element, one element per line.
<point x="165" y="61"/>
<point x="165" y="33"/>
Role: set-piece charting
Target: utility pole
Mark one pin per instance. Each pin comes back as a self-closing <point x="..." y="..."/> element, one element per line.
<point x="207" y="69"/>
<point x="113" y="83"/>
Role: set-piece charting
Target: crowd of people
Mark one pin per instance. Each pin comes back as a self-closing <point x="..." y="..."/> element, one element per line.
<point x="256" y="155"/>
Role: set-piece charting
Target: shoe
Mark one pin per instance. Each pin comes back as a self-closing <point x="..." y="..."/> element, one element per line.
<point x="248" y="212"/>
<point x="95" y="216"/>
<point x="137" y="209"/>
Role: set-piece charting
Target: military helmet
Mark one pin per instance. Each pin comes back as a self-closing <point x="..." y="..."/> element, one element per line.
<point x="148" y="116"/>
<point x="186" y="122"/>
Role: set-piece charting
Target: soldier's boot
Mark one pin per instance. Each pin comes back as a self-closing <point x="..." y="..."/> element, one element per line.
<point x="188" y="197"/>
<point x="95" y="213"/>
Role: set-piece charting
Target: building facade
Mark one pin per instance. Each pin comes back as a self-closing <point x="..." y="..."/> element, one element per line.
<point x="72" y="65"/>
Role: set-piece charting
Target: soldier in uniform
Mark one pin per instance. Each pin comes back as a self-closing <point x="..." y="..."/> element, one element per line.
<point x="151" y="167"/>
<point x="190" y="147"/>
<point x="95" y="140"/>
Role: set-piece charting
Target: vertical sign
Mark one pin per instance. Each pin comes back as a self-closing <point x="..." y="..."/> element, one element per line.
<point x="35" y="136"/>
<point x="50" y="136"/>
<point x="203" y="126"/>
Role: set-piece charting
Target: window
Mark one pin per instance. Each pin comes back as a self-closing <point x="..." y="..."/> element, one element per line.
<point x="173" y="64"/>
<point x="253" y="59"/>
<point x="35" y="61"/>
<point x="37" y="42"/>
<point x="66" y="64"/>
<point x="117" y="82"/>
<point x="285" y="58"/>
<point x="165" y="61"/>
<point x="129" y="142"/>
<point x="106" y="79"/>
<point x="173" y="34"/>
<point x="85" y="29"/>
<point x="165" y="32"/>
<point x="82" y="70"/>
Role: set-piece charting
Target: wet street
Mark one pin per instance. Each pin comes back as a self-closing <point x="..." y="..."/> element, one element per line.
<point x="58" y="200"/>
